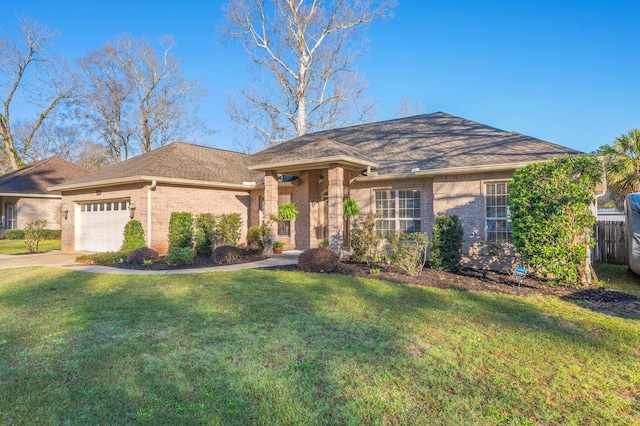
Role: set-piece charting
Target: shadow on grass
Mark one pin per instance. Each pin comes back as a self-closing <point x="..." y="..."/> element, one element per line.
<point x="239" y="348"/>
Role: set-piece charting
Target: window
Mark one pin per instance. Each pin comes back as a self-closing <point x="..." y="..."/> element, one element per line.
<point x="399" y="210"/>
<point x="11" y="215"/>
<point x="497" y="211"/>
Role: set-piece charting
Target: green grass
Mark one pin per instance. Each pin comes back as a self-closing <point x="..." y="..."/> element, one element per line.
<point x="259" y="347"/>
<point x="18" y="246"/>
<point x="615" y="277"/>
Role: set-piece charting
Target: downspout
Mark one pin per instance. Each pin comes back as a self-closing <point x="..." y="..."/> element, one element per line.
<point x="151" y="188"/>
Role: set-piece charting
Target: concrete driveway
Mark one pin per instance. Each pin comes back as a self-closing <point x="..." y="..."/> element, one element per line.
<point x="67" y="261"/>
<point x="53" y="258"/>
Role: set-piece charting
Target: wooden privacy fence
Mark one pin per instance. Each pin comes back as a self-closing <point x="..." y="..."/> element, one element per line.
<point x="611" y="244"/>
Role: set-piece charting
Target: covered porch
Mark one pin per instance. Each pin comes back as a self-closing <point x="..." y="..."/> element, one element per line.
<point x="317" y="185"/>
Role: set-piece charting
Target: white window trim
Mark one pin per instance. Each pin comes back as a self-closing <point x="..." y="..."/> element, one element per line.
<point x="484" y="207"/>
<point x="397" y="217"/>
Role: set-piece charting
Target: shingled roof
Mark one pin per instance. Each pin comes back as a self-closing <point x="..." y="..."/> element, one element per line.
<point x="177" y="162"/>
<point x="35" y="178"/>
<point x="427" y="142"/>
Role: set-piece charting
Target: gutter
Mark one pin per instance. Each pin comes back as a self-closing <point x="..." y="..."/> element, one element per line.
<point x="142" y="179"/>
<point x="445" y="171"/>
<point x="19" y="195"/>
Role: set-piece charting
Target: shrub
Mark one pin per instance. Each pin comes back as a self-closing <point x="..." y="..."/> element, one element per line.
<point x="318" y="260"/>
<point x="180" y="256"/>
<point x="180" y="230"/>
<point x="226" y="254"/>
<point x="133" y="236"/>
<point x="106" y="258"/>
<point x="258" y="237"/>
<point x="446" y="245"/>
<point x="324" y="244"/>
<point x="14" y="234"/>
<point x="551" y="219"/>
<point x="408" y="251"/>
<point x="228" y="232"/>
<point x="52" y="234"/>
<point x="34" y="233"/>
<point x="143" y="254"/>
<point x="206" y="224"/>
<point x="365" y="239"/>
<point x="278" y="244"/>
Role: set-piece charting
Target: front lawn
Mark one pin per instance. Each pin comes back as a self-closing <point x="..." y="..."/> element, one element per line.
<point x="260" y="347"/>
<point x="19" y="247"/>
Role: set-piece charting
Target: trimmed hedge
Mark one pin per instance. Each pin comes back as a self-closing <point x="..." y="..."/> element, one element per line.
<point x="18" y="234"/>
<point x="180" y="256"/>
<point x="446" y="243"/>
<point x="133" y="236"/>
<point x="106" y="258"/>
<point x="180" y="230"/>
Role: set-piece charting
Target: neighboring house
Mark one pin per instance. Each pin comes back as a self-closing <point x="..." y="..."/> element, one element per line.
<point x="610" y="215"/>
<point x="407" y="171"/>
<point x="24" y="195"/>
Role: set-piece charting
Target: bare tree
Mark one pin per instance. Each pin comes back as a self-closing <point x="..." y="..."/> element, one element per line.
<point x="52" y="138"/>
<point x="106" y="100"/>
<point x="304" y="52"/>
<point x="29" y="73"/>
<point x="92" y="156"/>
<point x="408" y="108"/>
<point x="138" y="99"/>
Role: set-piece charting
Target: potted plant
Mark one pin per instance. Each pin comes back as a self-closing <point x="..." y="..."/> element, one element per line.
<point x="277" y="247"/>
<point x="287" y="211"/>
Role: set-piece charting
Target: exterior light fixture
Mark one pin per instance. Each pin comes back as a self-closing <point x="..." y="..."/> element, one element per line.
<point x="320" y="179"/>
<point x="132" y="209"/>
<point x="65" y="212"/>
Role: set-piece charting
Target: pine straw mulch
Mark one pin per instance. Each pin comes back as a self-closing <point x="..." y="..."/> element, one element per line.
<point x="602" y="300"/>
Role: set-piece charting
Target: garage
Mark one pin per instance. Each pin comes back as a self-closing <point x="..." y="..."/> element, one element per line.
<point x="100" y="226"/>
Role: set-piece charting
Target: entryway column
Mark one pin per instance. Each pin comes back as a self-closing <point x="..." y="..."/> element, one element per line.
<point x="336" y="194"/>
<point x="271" y="201"/>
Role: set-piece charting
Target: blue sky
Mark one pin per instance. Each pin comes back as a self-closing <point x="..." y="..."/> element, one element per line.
<point x="564" y="71"/>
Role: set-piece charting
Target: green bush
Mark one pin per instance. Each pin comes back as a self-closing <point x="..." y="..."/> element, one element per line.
<point x="205" y="227"/>
<point x="180" y="230"/>
<point x="180" y="256"/>
<point x="551" y="220"/>
<point x="446" y="245"/>
<point x="365" y="240"/>
<point x="106" y="258"/>
<point x="228" y="231"/>
<point x="258" y="237"/>
<point x="318" y="260"/>
<point x="14" y="234"/>
<point x="408" y="251"/>
<point x="34" y="233"/>
<point x="226" y="254"/>
<point x="133" y="236"/>
<point x="143" y="254"/>
<point x="52" y="234"/>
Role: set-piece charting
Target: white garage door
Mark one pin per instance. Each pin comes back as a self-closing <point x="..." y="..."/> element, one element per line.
<point x="100" y="226"/>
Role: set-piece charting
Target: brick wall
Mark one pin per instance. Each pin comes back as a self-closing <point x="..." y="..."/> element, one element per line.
<point x="167" y="199"/>
<point x="38" y="208"/>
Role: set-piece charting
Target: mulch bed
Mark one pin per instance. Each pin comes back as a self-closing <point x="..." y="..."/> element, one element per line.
<point x="200" y="261"/>
<point x="610" y="302"/>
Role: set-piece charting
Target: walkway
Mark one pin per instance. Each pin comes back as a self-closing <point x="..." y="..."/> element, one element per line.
<point x="67" y="261"/>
